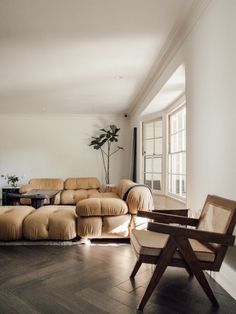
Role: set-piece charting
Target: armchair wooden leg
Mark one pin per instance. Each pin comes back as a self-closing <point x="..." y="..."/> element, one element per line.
<point x="136" y="268"/>
<point x="188" y="269"/>
<point x="161" y="266"/>
<point x="190" y="258"/>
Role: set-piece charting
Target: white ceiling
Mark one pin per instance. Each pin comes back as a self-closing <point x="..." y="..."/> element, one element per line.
<point x="81" y="56"/>
<point x="170" y="92"/>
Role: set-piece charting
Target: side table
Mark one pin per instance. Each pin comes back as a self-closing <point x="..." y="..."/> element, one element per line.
<point x="6" y="191"/>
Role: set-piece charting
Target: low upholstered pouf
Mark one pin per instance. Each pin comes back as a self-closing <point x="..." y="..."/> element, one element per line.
<point x="102" y="217"/>
<point x="11" y="221"/>
<point x="51" y="222"/>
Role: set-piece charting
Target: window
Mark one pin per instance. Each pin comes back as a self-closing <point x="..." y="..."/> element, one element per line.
<point x="152" y="152"/>
<point x="177" y="152"/>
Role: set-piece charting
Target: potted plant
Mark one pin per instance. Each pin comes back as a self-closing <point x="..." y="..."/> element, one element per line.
<point x="12" y="180"/>
<point x="105" y="143"/>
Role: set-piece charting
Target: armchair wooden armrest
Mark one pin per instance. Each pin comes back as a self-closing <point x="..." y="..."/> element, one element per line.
<point x="200" y="235"/>
<point x="173" y="211"/>
<point x="167" y="218"/>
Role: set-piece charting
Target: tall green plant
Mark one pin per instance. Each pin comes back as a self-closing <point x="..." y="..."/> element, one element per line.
<point x="105" y="143"/>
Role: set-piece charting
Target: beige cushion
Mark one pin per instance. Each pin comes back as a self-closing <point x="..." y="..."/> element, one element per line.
<point x="116" y="225"/>
<point x="139" y="198"/>
<point x="46" y="184"/>
<point x="51" y="222"/>
<point x="104" y="226"/>
<point x="82" y="183"/>
<point x="104" y="195"/>
<point x="122" y="187"/>
<point x="90" y="227"/>
<point x="11" y="220"/>
<point x="26" y="188"/>
<point x="101" y="207"/>
<point x="71" y="197"/>
<point x="147" y="242"/>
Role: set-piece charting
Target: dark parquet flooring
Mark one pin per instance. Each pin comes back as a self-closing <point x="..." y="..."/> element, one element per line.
<point x="94" y="279"/>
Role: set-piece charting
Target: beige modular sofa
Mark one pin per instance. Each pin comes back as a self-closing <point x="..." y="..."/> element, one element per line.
<point x="82" y="209"/>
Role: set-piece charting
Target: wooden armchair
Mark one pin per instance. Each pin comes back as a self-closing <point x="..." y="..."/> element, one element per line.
<point x="195" y="249"/>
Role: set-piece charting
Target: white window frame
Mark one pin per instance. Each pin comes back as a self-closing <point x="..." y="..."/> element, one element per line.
<point x="163" y="184"/>
<point x="164" y="115"/>
<point x="174" y="108"/>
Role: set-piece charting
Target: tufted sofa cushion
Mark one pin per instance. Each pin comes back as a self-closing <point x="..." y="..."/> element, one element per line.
<point x="104" y="226"/>
<point x="51" y="222"/>
<point x="104" y="195"/>
<point x="101" y="207"/>
<point x="43" y="184"/>
<point x="11" y="220"/>
<point x="82" y="183"/>
<point x="71" y="197"/>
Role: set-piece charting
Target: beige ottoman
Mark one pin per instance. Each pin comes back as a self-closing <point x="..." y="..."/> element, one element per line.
<point x="102" y="217"/>
<point x="11" y="221"/>
<point x="53" y="222"/>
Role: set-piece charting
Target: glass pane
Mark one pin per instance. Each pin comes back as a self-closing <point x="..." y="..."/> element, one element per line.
<point x="148" y="179"/>
<point x="178" y="142"/>
<point x="148" y="164"/>
<point x="149" y="147"/>
<point x="157" y="165"/>
<point x="183" y="118"/>
<point x="173" y="124"/>
<point x="183" y="186"/>
<point x="174" y="143"/>
<point x="177" y="163"/>
<point x="148" y="130"/>
<point x="177" y="185"/>
<point x="183" y="162"/>
<point x="158" y="128"/>
<point x="170" y="183"/>
<point x="158" y="146"/>
<point x="178" y="120"/>
<point x="184" y="139"/>
<point x="157" y="182"/>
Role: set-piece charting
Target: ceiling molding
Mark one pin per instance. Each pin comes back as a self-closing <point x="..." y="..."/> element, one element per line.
<point x="53" y="116"/>
<point x="182" y="28"/>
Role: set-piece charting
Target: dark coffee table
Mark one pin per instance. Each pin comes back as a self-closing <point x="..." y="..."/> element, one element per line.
<point x="37" y="197"/>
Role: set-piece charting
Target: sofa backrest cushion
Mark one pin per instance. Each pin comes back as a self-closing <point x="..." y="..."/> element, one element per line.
<point x="123" y="186"/>
<point x="47" y="184"/>
<point x="139" y="198"/>
<point x="82" y="183"/>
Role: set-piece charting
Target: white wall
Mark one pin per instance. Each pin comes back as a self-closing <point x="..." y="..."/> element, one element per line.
<point x="209" y="56"/>
<point x="211" y="94"/>
<point x="57" y="146"/>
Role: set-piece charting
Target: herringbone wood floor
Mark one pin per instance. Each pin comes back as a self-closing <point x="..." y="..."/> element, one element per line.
<point x="94" y="279"/>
